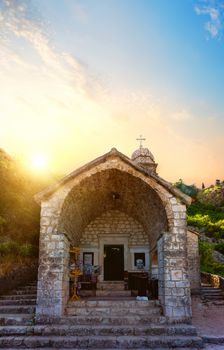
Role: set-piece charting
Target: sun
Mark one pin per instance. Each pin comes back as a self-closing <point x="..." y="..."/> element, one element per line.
<point x="39" y="162"/>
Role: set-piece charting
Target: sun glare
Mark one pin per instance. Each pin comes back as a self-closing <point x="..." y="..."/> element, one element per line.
<point x="39" y="162"/>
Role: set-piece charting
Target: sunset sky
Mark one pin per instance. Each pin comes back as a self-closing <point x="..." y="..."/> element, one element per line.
<point x="78" y="77"/>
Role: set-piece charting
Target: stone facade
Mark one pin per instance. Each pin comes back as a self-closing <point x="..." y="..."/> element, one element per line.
<point x="115" y="222"/>
<point x="116" y="227"/>
<point x="53" y="280"/>
<point x="114" y="199"/>
<point x="174" y="283"/>
<point x="193" y="261"/>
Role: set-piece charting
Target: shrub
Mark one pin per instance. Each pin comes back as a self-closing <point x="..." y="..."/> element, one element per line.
<point x="213" y="195"/>
<point x="10" y="247"/>
<point x="28" y="250"/>
<point x="208" y="264"/>
<point x="219" y="247"/>
<point x="190" y="190"/>
<point x="207" y="218"/>
<point x="17" y="249"/>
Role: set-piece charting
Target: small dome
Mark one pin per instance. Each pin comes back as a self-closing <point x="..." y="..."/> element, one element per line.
<point x="144" y="158"/>
<point x="143" y="153"/>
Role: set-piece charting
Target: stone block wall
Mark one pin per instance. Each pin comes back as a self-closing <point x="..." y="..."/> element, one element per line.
<point x="174" y="285"/>
<point x="193" y="261"/>
<point x="53" y="276"/>
<point x="117" y="223"/>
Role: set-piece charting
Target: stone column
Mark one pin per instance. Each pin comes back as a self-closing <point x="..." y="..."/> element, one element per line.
<point x="53" y="276"/>
<point x="160" y="251"/>
<point x="174" y="285"/>
<point x="193" y="262"/>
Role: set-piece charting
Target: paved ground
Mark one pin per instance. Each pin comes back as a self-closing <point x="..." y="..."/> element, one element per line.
<point x="208" y="317"/>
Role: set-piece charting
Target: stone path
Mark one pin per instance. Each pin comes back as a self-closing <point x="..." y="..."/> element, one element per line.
<point x="208" y="317"/>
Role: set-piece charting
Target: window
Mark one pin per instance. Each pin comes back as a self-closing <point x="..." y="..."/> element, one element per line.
<point x="88" y="258"/>
<point x="140" y="256"/>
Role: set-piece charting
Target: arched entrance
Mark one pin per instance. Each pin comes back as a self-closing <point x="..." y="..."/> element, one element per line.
<point x="113" y="200"/>
<point x="113" y="207"/>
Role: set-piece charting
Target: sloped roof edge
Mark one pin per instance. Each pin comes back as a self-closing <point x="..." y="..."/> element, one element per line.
<point x="112" y="153"/>
<point x="192" y="230"/>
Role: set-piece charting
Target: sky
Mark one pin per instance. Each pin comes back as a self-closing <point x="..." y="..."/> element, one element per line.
<point x="78" y="77"/>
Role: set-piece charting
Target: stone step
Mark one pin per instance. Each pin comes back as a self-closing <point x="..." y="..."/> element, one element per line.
<point x="17" y="302"/>
<point x="17" y="296"/>
<point x="213" y="294"/>
<point x="113" y="293"/>
<point x="16" y="309"/>
<point x="98" y="330"/>
<point x="214" y="339"/>
<point x="101" y="342"/>
<point x="112" y="311"/>
<point x="91" y="295"/>
<point x="212" y="290"/>
<point x="112" y="320"/>
<point x="117" y="285"/>
<point x="16" y="319"/>
<point x="209" y="297"/>
<point x="115" y="303"/>
<point x="83" y="293"/>
<point x="22" y="292"/>
<point x="25" y="288"/>
<point x="160" y="348"/>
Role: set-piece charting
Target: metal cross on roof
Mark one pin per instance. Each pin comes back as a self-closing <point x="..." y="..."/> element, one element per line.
<point x="140" y="140"/>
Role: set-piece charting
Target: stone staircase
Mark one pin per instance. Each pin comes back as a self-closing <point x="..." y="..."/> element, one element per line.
<point x="18" y="307"/>
<point x="210" y="293"/>
<point x="96" y="324"/>
<point x="112" y="289"/>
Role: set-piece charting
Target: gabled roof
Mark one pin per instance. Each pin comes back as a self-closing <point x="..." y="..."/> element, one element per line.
<point x="102" y="159"/>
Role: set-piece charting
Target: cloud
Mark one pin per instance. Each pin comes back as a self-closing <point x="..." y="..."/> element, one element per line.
<point x="51" y="99"/>
<point x="214" y="9"/>
<point x="18" y="19"/>
<point x="45" y="93"/>
<point x="182" y="116"/>
<point x="80" y="12"/>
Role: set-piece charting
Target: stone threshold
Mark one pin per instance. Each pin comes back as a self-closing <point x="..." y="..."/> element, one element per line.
<point x="213" y="339"/>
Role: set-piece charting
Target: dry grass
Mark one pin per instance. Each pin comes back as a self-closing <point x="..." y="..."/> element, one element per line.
<point x="10" y="262"/>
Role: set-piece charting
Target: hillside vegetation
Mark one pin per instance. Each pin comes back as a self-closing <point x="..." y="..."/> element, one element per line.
<point x="208" y="219"/>
<point x="206" y="215"/>
<point x="19" y="214"/>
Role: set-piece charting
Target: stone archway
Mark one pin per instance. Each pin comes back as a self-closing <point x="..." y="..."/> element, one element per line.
<point x="113" y="191"/>
<point x="112" y="184"/>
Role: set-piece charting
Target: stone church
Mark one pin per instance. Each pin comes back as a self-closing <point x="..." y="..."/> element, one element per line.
<point x="119" y="212"/>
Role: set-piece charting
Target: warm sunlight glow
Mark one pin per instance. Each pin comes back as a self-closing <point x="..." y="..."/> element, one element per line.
<point x="39" y="162"/>
<point x="65" y="100"/>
